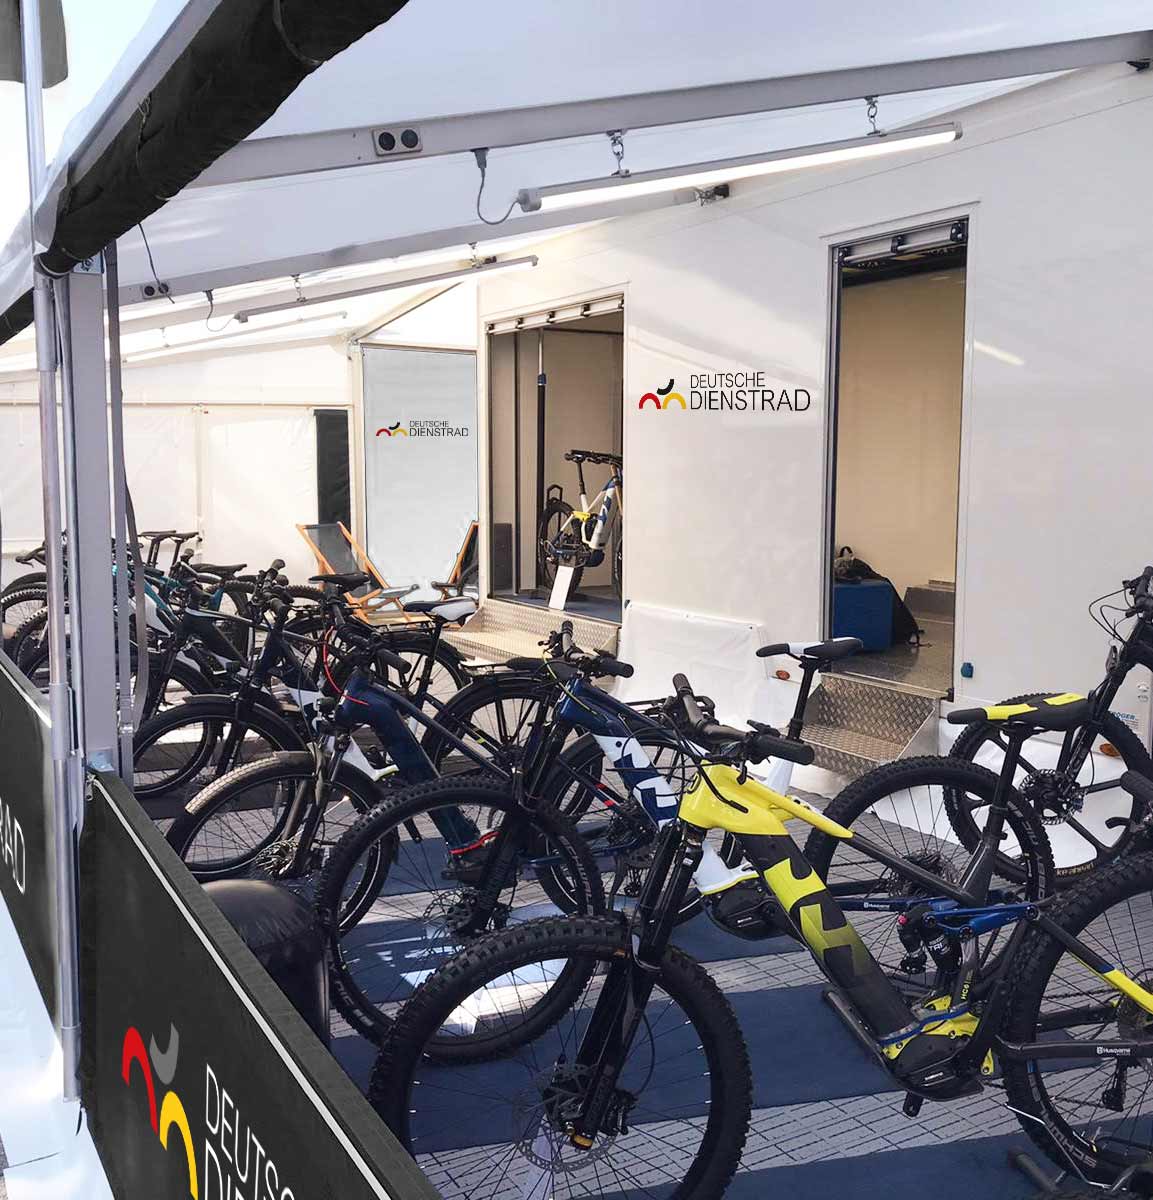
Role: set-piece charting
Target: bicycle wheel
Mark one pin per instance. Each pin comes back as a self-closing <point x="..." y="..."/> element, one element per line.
<point x="184" y="748"/>
<point x="182" y="680"/>
<point x="29" y="638"/>
<point x="901" y="806"/>
<point x="448" y="674"/>
<point x="439" y="835"/>
<point x="237" y="826"/>
<point x="17" y="606"/>
<point x="609" y="814"/>
<point x="1074" y="810"/>
<point x="554" y="548"/>
<point x="30" y="579"/>
<point x="483" y="1129"/>
<point x="492" y="714"/>
<point x="1094" y="1115"/>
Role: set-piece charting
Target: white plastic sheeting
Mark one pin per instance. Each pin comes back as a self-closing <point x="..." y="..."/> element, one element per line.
<point x="420" y="491"/>
<point x="437" y="59"/>
<point x="226" y="444"/>
<point x="116" y="52"/>
<point x="47" y="1145"/>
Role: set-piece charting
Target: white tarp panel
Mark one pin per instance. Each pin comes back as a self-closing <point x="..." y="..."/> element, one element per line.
<point x="435" y="59"/>
<point x="114" y="54"/>
<point x="259" y="482"/>
<point x="420" y="487"/>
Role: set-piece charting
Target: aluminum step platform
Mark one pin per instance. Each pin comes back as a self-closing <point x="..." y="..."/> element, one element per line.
<point x="855" y="724"/>
<point x="502" y="629"/>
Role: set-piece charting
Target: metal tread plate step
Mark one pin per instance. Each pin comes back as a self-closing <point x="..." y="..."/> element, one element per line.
<point x="502" y="630"/>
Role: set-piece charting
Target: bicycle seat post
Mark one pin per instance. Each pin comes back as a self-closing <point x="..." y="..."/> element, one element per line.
<point x="979" y="873"/>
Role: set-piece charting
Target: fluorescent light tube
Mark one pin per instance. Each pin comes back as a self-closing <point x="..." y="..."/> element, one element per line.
<point x="482" y="268"/>
<point x="711" y="174"/>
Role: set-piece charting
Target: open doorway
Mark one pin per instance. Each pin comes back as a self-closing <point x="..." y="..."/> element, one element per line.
<point x="555" y="473"/>
<point x="896" y="442"/>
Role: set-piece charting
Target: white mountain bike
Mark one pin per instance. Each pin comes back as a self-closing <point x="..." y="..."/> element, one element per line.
<point x="579" y="538"/>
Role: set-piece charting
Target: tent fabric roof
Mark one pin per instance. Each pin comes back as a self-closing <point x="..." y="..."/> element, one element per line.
<point x="436" y="59"/>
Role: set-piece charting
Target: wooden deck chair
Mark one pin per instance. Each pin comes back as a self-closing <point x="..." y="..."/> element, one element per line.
<point x="464" y="569"/>
<point x="337" y="552"/>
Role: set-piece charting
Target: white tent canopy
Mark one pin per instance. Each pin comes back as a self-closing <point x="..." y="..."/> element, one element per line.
<point x="751" y="63"/>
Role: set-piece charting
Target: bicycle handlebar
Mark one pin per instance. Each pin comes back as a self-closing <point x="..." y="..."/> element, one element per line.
<point x="762" y="742"/>
<point x="596" y="457"/>
<point x="1142" y="601"/>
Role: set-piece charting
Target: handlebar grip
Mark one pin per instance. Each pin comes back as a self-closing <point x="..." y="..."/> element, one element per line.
<point x="400" y="665"/>
<point x="688" y="700"/>
<point x="279" y="608"/>
<point x="772" y="745"/>
<point x="607" y="665"/>
<point x="276" y="566"/>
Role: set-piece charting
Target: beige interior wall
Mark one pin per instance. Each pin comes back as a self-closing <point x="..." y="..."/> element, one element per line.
<point x="899" y="425"/>
<point x="501" y="359"/>
<point x="583" y="412"/>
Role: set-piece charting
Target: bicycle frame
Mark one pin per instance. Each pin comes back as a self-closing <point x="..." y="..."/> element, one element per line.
<point x="605" y="507"/>
<point x="1135" y="650"/>
<point x="919" y="1048"/>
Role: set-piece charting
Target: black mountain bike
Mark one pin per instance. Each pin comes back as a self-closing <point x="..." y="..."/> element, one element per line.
<point x="1107" y="821"/>
<point x="595" y="1058"/>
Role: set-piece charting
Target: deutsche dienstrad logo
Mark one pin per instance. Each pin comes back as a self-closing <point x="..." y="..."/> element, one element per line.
<point x="728" y="391"/>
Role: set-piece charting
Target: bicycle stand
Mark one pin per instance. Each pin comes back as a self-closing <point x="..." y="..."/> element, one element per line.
<point x="1133" y="1181"/>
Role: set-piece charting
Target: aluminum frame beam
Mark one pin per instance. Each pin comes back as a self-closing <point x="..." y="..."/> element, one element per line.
<point x="92" y="645"/>
<point x="398" y="247"/>
<point x="330" y="150"/>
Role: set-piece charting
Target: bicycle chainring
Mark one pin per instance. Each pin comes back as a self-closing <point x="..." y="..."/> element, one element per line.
<point x="1054" y="795"/>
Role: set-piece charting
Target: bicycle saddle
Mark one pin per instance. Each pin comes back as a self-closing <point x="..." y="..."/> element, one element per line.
<point x="1053" y="713"/>
<point x="215" y="569"/>
<point x="828" y="651"/>
<point x="346" y="581"/>
<point x="455" y="608"/>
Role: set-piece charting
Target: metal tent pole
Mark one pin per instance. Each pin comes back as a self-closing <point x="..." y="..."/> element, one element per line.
<point x="126" y="714"/>
<point x="88" y="495"/>
<point x="67" y="782"/>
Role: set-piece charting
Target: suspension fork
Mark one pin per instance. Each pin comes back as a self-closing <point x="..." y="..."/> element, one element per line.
<point x="1079" y="743"/>
<point x="502" y="863"/>
<point x="620" y="1008"/>
<point x="246" y="696"/>
<point x="310" y="802"/>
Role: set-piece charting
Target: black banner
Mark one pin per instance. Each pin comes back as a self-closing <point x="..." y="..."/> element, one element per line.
<point x="199" y="1077"/>
<point x="27" y="863"/>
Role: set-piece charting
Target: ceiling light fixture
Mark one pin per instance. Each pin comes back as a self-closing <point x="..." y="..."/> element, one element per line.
<point x="707" y="175"/>
<point x="483" y="267"/>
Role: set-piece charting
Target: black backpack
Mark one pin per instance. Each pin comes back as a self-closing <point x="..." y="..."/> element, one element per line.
<point x="847" y="568"/>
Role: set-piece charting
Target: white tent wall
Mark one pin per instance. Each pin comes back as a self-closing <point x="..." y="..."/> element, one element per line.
<point x="724" y="511"/>
<point x="225" y="443"/>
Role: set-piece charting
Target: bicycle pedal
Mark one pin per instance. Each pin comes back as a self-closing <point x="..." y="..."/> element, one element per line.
<point x="912" y="1105"/>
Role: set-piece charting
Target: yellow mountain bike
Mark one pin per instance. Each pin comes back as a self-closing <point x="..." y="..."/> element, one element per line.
<point x="617" y="1066"/>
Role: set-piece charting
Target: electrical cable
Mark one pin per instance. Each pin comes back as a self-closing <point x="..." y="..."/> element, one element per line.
<point x="482" y="163"/>
<point x="160" y="287"/>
